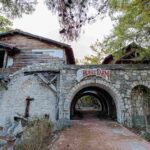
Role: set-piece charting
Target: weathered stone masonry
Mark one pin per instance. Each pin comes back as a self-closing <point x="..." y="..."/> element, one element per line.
<point x="123" y="79"/>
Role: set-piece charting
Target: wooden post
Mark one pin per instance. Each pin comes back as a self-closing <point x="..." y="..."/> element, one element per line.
<point x="5" y="59"/>
<point x="28" y="100"/>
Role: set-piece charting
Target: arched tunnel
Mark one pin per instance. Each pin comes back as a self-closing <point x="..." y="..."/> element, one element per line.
<point x="106" y="108"/>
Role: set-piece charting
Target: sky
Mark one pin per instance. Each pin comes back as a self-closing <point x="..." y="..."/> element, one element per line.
<point x="42" y="22"/>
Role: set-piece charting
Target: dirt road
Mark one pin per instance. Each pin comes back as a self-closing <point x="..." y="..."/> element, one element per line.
<point x="94" y="134"/>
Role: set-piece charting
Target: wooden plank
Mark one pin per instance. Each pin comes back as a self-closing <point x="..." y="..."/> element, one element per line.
<point x="5" y="59"/>
<point x="26" y="56"/>
<point x="47" y="82"/>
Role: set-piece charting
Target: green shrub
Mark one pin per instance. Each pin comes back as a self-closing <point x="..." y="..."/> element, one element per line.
<point x="36" y="135"/>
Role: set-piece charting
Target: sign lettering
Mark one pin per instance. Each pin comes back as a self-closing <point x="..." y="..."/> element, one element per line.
<point x="82" y="73"/>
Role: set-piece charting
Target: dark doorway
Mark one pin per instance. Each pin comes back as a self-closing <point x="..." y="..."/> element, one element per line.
<point x="2" y="53"/>
<point x="93" y="102"/>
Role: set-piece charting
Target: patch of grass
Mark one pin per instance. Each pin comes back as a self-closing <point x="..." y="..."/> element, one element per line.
<point x="146" y="136"/>
<point x="36" y="135"/>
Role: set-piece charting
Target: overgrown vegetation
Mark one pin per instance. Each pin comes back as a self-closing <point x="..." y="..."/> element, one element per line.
<point x="141" y="96"/>
<point x="129" y="25"/>
<point x="10" y="9"/>
<point x="36" y="135"/>
<point x="74" y="14"/>
<point x="141" y="132"/>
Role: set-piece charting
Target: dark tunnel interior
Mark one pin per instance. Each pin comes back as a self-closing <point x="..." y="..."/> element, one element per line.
<point x="93" y="102"/>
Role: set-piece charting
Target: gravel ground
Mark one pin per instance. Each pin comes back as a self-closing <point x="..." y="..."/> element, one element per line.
<point x="94" y="134"/>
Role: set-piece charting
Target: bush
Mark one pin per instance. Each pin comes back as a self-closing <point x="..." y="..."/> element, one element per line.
<point x="36" y="135"/>
<point x="145" y="135"/>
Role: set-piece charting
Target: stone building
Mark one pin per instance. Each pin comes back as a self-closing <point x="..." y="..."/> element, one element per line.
<point x="51" y="86"/>
<point x="20" y="49"/>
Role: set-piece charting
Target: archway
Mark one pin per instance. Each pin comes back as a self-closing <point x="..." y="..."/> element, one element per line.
<point x="93" y="101"/>
<point x="140" y="101"/>
<point x="99" y="83"/>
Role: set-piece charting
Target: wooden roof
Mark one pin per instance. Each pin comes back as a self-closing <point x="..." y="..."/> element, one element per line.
<point x="68" y="49"/>
<point x="10" y="48"/>
<point x="128" y="57"/>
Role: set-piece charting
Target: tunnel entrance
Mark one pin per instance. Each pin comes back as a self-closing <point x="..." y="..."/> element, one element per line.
<point x="93" y="102"/>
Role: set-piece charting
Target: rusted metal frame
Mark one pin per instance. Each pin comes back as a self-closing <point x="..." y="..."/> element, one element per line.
<point x="28" y="100"/>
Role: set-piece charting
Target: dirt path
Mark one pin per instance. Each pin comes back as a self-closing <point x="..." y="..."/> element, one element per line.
<point x="99" y="135"/>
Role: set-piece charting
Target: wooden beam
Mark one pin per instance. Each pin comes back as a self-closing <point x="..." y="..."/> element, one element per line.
<point x="55" y="77"/>
<point x="53" y="87"/>
<point x="5" y="59"/>
<point x="49" y="83"/>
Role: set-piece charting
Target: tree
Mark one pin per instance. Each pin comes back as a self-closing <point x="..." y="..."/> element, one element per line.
<point x="100" y="52"/>
<point x="74" y="14"/>
<point x="10" y="9"/>
<point x="5" y="24"/>
<point x="130" y="26"/>
<point x="133" y="22"/>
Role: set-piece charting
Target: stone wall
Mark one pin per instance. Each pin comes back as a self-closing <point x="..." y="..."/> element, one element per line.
<point x="14" y="99"/>
<point x="140" y="97"/>
<point x="123" y="79"/>
<point x="24" y="83"/>
<point x="2" y="90"/>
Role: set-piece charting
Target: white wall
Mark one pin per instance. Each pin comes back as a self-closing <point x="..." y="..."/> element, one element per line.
<point x="19" y="89"/>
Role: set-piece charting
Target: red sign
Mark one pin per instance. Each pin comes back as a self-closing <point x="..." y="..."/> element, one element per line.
<point x="82" y="73"/>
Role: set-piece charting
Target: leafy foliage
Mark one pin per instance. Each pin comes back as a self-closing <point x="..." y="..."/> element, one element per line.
<point x="74" y="14"/>
<point x="132" y="23"/>
<point x="130" y="26"/>
<point x="36" y="135"/>
<point x="5" y="24"/>
<point x="100" y="52"/>
<point x="14" y="8"/>
<point x="131" y="17"/>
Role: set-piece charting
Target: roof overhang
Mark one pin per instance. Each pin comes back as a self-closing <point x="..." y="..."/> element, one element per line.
<point x="66" y="47"/>
<point x="11" y="49"/>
